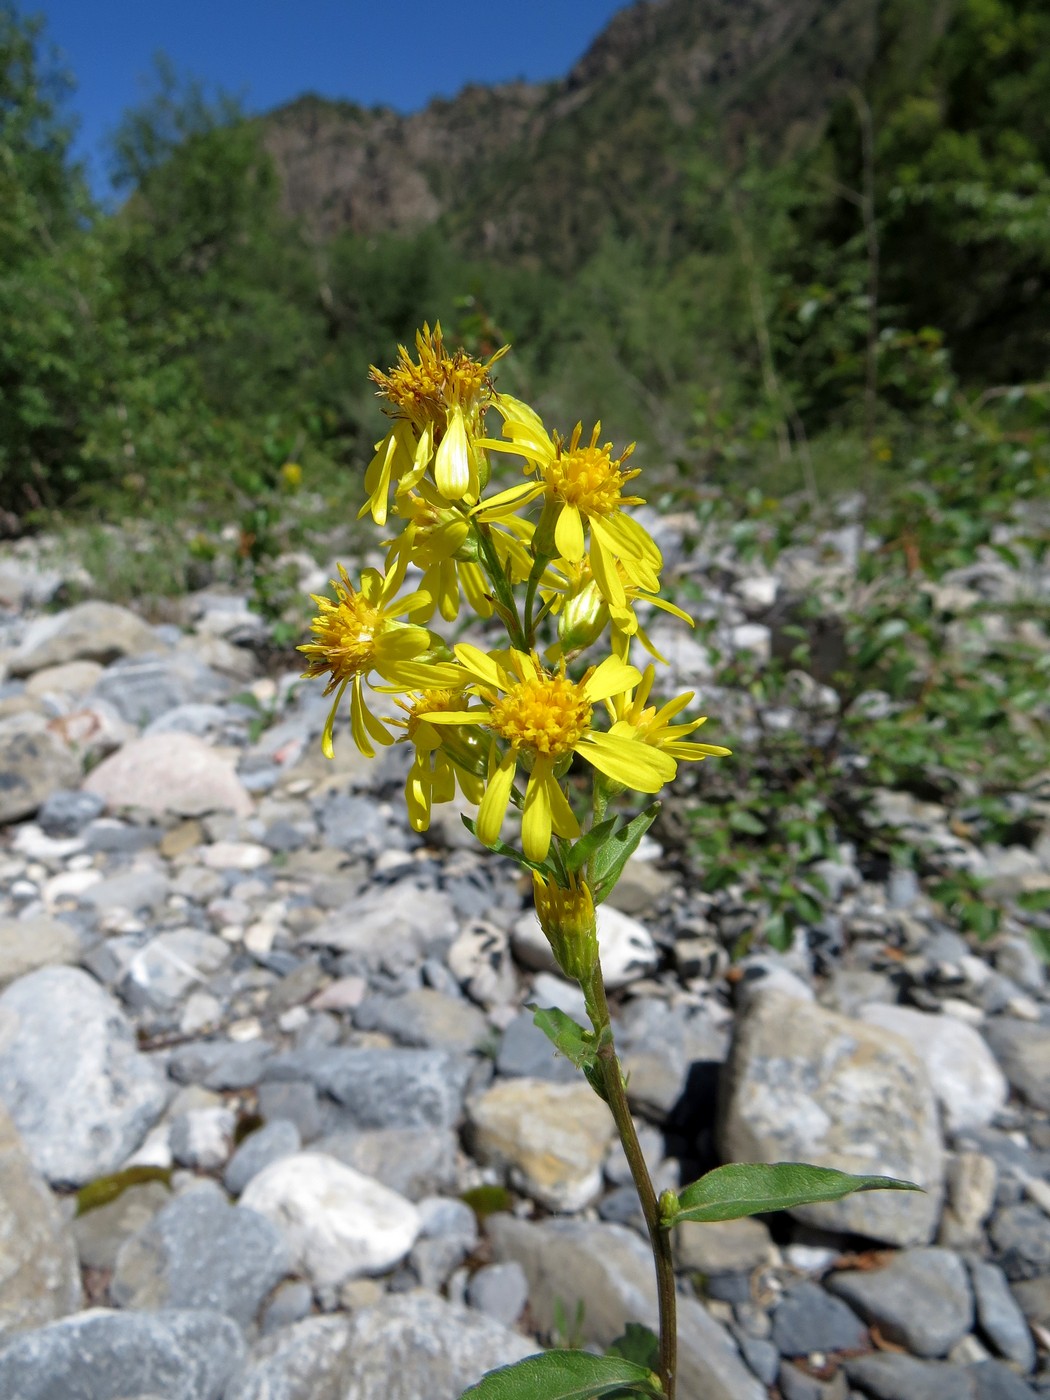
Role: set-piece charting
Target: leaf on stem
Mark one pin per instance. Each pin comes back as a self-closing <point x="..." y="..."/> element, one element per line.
<point x="565" y="1375"/>
<point x="753" y="1188"/>
<point x="615" y="850"/>
<point x="575" y="1043"/>
<point x="502" y="849"/>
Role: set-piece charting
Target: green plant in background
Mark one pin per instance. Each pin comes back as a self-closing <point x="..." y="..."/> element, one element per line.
<point x="553" y="569"/>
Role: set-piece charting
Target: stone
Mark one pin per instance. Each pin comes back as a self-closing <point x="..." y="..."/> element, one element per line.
<point x="138" y="891"/>
<point x="1021" y="1236"/>
<point x="807" y="1320"/>
<point x="481" y="963"/>
<point x="921" y="1300"/>
<point x="164" y="970"/>
<point x="387" y="928"/>
<point x="627" y="950"/>
<point x="33" y="763"/>
<point x="416" y="1346"/>
<point x="971" y="1178"/>
<point x="384" y="1088"/>
<point x="796" y="1384"/>
<point x="611" y="1268"/>
<point x="297" y="1101"/>
<point x="101" y="1232"/>
<point x="71" y="678"/>
<point x="412" y="1161"/>
<point x="79" y="1091"/>
<point x="307" y="1361"/>
<point x="499" y="1291"/>
<point x="338" y="1223"/>
<point x="91" y="631"/>
<point x="666" y="1054"/>
<point x="994" y="1381"/>
<point x="198" y="1251"/>
<point x="813" y="1086"/>
<point x="202" y="1138"/>
<point x="999" y="1317"/>
<point x="425" y="1017"/>
<point x="723" y="1246"/>
<point x="1033" y="1297"/>
<point x="169" y="773"/>
<point x="888" y="1375"/>
<point x="267" y="1144"/>
<point x="39" y="941"/>
<point x="39" y="1275"/>
<point x="1023" y="1050"/>
<point x="141" y="689"/>
<point x="104" y="1355"/>
<point x="524" y="1050"/>
<point x="220" y="1064"/>
<point x="549" y="1138"/>
<point x="66" y="813"/>
<point x="969" y="1085"/>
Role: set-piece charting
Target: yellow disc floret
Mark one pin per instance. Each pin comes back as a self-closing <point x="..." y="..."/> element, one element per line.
<point x="589" y="477"/>
<point x="426" y="390"/>
<point x="545" y="714"/>
<point x="346" y="631"/>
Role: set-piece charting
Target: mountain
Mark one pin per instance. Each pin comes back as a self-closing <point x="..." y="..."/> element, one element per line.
<point x="544" y="171"/>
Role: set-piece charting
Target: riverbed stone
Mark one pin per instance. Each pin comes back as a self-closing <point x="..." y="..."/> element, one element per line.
<point x="39" y="941"/>
<point x="805" y="1084"/>
<point x="308" y="1361"/>
<point x="1023" y="1050"/>
<point x="33" y="762"/>
<point x="922" y="1300"/>
<point x="169" y="773"/>
<point x="90" y="631"/>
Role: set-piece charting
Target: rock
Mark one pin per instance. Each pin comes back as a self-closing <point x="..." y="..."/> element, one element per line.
<point x="384" y="1088"/>
<point x="338" y="1223"/>
<point x="415" y="1346"/>
<point x="807" y="1319"/>
<point x="1033" y="1296"/>
<point x="890" y="1376"/>
<point x="91" y="631"/>
<point x="550" y="1138"/>
<point x="999" y="1316"/>
<point x="165" y="969"/>
<point x="65" y="813"/>
<point x="28" y="944"/>
<point x="387" y="928"/>
<point x="723" y="1246"/>
<point x="268" y="1144"/>
<point x="481" y="963"/>
<point x="39" y="1276"/>
<point x="202" y="1138"/>
<point x="100" y="1233"/>
<point x="1021" y="1236"/>
<point x="921" y="1300"/>
<point x="169" y="773"/>
<point x="669" y="1056"/>
<point x="415" y="1162"/>
<point x="972" y="1178"/>
<point x="796" y="1384"/>
<point x="425" y="1017"/>
<point x="79" y="1091"/>
<point x="308" y="1361"/>
<point x="626" y="947"/>
<point x="1023" y="1050"/>
<point x="202" y="1251"/>
<point x="994" y="1381"/>
<point x="810" y="1085"/>
<point x="220" y="1064"/>
<point x="525" y="1051"/>
<point x="611" y="1268"/>
<point x="970" y="1086"/>
<point x="103" y="1355"/>
<point x="141" y="689"/>
<point x="32" y="764"/>
<point x="499" y="1291"/>
<point x="141" y="891"/>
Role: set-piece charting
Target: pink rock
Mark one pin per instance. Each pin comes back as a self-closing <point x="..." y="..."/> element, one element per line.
<point x="176" y="773"/>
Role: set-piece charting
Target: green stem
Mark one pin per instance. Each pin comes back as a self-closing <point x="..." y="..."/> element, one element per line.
<point x="500" y="587"/>
<point x="539" y="564"/>
<point x="659" y="1238"/>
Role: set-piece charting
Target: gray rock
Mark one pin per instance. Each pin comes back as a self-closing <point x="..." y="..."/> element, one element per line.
<point x="140" y="891"/>
<point x="723" y="1247"/>
<point x="890" y="1376"/>
<point x="970" y="1086"/>
<point x="308" y="1361"/>
<point x="39" y="1277"/>
<point x="525" y="1051"/>
<point x="175" y="1355"/>
<point x="91" y="631"/>
<point x="169" y="773"/>
<point x="661" y="1048"/>
<point x="220" y="1064"/>
<point x="1016" y="958"/>
<point x="1021" y="1236"/>
<point x="818" y="1087"/>
<point x="79" y="1091"/>
<point x="481" y="962"/>
<point x="141" y="689"/>
<point x="415" y="1346"/>
<point x="994" y="1381"/>
<point x="1033" y="1296"/>
<point x="272" y="1141"/>
<point x="761" y="1356"/>
<point x="202" y="1251"/>
<point x="32" y="764"/>
<point x="384" y="1088"/>
<point x="415" y="1162"/>
<point x="499" y="1291"/>
<point x="202" y="1138"/>
<point x="433" y="1261"/>
<point x="163" y="971"/>
<point x="807" y="1319"/>
<point x="290" y="1302"/>
<point x="40" y="941"/>
<point x="921" y="1300"/>
<point x="66" y="812"/>
<point x="796" y="1384"/>
<point x="388" y="928"/>
<point x="611" y="1268"/>
<point x="296" y="1101"/>
<point x="1023" y="1050"/>
<point x="101" y="1233"/>
<point x="425" y="1017"/>
<point x="999" y="1317"/>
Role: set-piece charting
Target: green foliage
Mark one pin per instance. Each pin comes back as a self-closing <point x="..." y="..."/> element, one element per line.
<point x="565" y="1375"/>
<point x="756" y="1188"/>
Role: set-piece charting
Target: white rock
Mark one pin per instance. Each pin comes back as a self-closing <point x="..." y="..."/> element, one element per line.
<point x="176" y="773"/>
<point x="970" y="1086"/>
<point x="236" y="855"/>
<point x="338" y="1223"/>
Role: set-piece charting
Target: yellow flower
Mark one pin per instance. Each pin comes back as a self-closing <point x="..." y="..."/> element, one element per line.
<point x="583" y="486"/>
<point x="440" y="401"/>
<point x="632" y="717"/>
<point x="357" y="635"/>
<point x="435" y="771"/>
<point x="566" y="915"/>
<point x="543" y="718"/>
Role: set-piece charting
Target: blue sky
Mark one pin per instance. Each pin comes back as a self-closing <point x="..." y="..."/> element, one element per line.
<point x="269" y="51"/>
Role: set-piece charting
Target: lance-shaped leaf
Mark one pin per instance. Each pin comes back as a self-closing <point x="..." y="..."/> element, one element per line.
<point x="752" y="1188"/>
<point x="582" y="850"/>
<point x="608" y="861"/>
<point x="565" y="1375"/>
<point x="576" y="1044"/>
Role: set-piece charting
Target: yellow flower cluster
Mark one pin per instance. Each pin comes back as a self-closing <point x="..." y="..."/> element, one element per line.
<point x="556" y="558"/>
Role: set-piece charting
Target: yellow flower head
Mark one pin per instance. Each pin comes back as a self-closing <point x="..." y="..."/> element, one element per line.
<point x="357" y="635"/>
<point x="632" y="716"/>
<point x="541" y="718"/>
<point x="435" y="773"/>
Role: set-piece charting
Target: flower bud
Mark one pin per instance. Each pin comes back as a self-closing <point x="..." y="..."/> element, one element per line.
<point x="583" y="618"/>
<point x="567" y="918"/>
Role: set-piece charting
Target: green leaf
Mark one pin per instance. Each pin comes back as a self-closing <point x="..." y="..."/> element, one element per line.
<point x="502" y="849"/>
<point x="752" y="1188"/>
<point x="613" y="854"/>
<point x="575" y="1043"/>
<point x="585" y="847"/>
<point x="639" y="1344"/>
<point x="564" y="1375"/>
